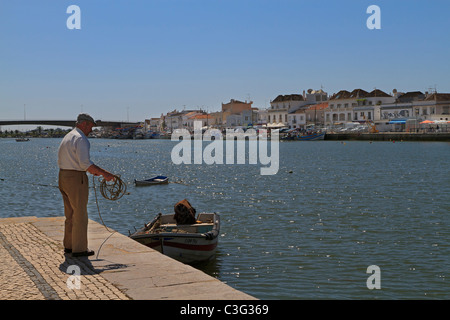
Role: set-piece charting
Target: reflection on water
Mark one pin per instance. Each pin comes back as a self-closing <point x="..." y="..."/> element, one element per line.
<point x="308" y="232"/>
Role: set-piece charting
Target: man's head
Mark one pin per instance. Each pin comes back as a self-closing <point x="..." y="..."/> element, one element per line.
<point x="85" y="123"/>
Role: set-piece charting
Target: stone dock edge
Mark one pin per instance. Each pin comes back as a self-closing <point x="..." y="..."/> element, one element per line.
<point x="35" y="267"/>
<point x="390" y="136"/>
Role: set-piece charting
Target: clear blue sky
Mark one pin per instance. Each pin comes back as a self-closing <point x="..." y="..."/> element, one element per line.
<point x="137" y="59"/>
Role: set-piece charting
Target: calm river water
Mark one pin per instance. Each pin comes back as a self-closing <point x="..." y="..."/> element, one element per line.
<point x="309" y="232"/>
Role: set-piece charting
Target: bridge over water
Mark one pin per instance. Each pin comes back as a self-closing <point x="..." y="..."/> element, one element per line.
<point x="66" y="123"/>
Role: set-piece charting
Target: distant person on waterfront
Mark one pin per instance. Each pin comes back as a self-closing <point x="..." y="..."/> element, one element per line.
<point x="73" y="161"/>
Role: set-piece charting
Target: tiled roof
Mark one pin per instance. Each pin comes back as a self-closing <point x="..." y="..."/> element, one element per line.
<point x="343" y="94"/>
<point x="289" y="97"/>
<point x="232" y="101"/>
<point x="359" y="93"/>
<point x="201" y="116"/>
<point x="439" y="97"/>
<point x="378" y="93"/>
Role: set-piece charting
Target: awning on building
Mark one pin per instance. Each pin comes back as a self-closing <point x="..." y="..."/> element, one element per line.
<point x="397" y="122"/>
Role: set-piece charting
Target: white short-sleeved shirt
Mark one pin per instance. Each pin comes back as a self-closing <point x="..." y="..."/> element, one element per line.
<point x="73" y="152"/>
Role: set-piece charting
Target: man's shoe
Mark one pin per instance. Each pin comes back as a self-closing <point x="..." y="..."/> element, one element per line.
<point x="67" y="250"/>
<point x="83" y="253"/>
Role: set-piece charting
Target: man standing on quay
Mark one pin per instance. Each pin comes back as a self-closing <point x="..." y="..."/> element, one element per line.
<point x="74" y="161"/>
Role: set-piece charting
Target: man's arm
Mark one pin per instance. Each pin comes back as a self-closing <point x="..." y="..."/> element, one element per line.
<point x="97" y="171"/>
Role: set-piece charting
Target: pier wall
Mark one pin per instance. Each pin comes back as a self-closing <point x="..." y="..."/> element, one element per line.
<point x="35" y="267"/>
<point x="390" y="136"/>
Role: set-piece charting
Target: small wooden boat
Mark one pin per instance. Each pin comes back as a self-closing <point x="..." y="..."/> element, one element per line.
<point x="314" y="136"/>
<point x="22" y="139"/>
<point x="152" y="181"/>
<point x="311" y="137"/>
<point x="188" y="243"/>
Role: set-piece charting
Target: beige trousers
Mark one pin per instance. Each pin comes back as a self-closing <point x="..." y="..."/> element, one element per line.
<point x="74" y="187"/>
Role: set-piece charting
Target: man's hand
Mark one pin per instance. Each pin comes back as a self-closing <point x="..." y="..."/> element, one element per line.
<point x="97" y="171"/>
<point x="108" y="176"/>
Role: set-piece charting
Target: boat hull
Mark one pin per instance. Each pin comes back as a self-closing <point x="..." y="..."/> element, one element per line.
<point x="186" y="250"/>
<point x="152" y="181"/>
<point x="311" y="137"/>
<point x="185" y="243"/>
<point x="307" y="137"/>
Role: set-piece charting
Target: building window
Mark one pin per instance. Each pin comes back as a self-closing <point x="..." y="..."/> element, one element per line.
<point x="445" y="109"/>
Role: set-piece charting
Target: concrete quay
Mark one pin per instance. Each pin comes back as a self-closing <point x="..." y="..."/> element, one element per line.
<point x="390" y="136"/>
<point x="35" y="267"/>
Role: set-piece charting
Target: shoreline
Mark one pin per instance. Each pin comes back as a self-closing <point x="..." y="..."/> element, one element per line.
<point x="390" y="136"/>
<point x="381" y="136"/>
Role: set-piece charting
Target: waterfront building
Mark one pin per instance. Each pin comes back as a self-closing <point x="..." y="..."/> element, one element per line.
<point x="397" y="111"/>
<point x="315" y="96"/>
<point x="234" y="107"/>
<point x="153" y="125"/>
<point x="297" y="119"/>
<point x="435" y="106"/>
<point x="286" y="110"/>
<point x="281" y="106"/>
<point x="246" y="118"/>
<point x="262" y="116"/>
<point x="315" y="114"/>
<point x="411" y="108"/>
<point x="178" y="119"/>
<point x="173" y="120"/>
<point x="393" y="116"/>
<point x="369" y="104"/>
<point x="205" y="119"/>
<point x="356" y="106"/>
<point x="340" y="108"/>
<point x="216" y="119"/>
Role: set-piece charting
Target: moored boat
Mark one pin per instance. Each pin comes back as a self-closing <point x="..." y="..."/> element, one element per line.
<point x="152" y="181"/>
<point x="311" y="137"/>
<point x="294" y="135"/>
<point x="188" y="243"/>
